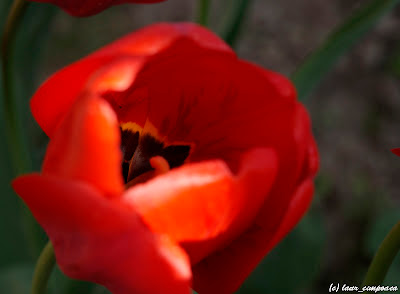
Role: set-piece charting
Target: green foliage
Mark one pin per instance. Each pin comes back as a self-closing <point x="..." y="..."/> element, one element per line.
<point x="12" y="247"/>
<point x="21" y="237"/>
<point x="204" y="11"/>
<point x="320" y="61"/>
<point x="16" y="279"/>
<point x="61" y="284"/>
<point x="394" y="66"/>
<point x="236" y="18"/>
<point x="378" y="231"/>
<point x="293" y="264"/>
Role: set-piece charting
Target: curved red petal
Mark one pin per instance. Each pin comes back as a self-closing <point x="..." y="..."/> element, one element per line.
<point x="301" y="163"/>
<point x="90" y="7"/>
<point x="205" y="202"/>
<point x="226" y="106"/>
<point x="103" y="241"/>
<point x="298" y="206"/>
<point x="225" y="270"/>
<point x="155" y="38"/>
<point x="86" y="147"/>
<point x="211" y="107"/>
<point x="190" y="202"/>
<point x="313" y="157"/>
<point x="54" y="98"/>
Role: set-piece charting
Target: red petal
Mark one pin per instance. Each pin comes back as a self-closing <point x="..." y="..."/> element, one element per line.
<point x="86" y="147"/>
<point x="89" y="7"/>
<point x="114" y="80"/>
<point x="156" y="38"/>
<point x="301" y="162"/>
<point x="186" y="203"/>
<point x="225" y="270"/>
<point x="313" y="157"/>
<point x="396" y="151"/>
<point x="54" y="98"/>
<point x="103" y="241"/>
<point x="298" y="206"/>
<point x="224" y="107"/>
<point x="201" y="201"/>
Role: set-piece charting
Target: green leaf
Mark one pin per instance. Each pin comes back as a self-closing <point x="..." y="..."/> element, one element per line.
<point x="237" y="15"/>
<point x="16" y="279"/>
<point x="203" y="12"/>
<point x="22" y="237"/>
<point x="321" y="61"/>
<point x="378" y="231"/>
<point x="394" y="63"/>
<point x="100" y="290"/>
<point x="4" y="5"/>
<point x="61" y="284"/>
<point x="294" y="263"/>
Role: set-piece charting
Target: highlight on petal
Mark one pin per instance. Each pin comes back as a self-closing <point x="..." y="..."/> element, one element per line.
<point x="224" y="271"/>
<point x="54" y="99"/>
<point x="86" y="147"/>
<point x="103" y="241"/>
<point x="114" y="81"/>
<point x="156" y="38"/>
<point x="190" y="202"/>
<point x="116" y="76"/>
<point x="205" y="201"/>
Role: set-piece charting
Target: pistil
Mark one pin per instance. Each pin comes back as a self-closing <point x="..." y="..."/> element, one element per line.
<point x="160" y="166"/>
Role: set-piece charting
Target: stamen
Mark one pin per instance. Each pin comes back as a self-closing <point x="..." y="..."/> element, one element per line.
<point x="160" y="165"/>
<point x="145" y="157"/>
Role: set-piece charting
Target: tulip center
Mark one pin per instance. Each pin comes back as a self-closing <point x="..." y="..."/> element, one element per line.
<point x="145" y="156"/>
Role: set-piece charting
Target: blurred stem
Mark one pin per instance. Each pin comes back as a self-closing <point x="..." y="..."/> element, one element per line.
<point x="17" y="148"/>
<point x="383" y="258"/>
<point x="43" y="269"/>
<point x="235" y="21"/>
<point x="13" y="126"/>
<point x="204" y="11"/>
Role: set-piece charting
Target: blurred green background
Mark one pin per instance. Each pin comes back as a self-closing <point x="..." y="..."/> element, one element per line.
<point x="356" y="121"/>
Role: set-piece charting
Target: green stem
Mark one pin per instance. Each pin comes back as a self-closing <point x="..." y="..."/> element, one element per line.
<point x="235" y="21"/>
<point x="12" y="123"/>
<point x="383" y="258"/>
<point x="15" y="140"/>
<point x="204" y="11"/>
<point x="43" y="269"/>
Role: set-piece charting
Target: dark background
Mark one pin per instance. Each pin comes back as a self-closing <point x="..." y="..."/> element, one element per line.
<point x="356" y="121"/>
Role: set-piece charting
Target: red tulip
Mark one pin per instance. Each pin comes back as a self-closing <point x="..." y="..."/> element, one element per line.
<point x="169" y="96"/>
<point x="89" y="7"/>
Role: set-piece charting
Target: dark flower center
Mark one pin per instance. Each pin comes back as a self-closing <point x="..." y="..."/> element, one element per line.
<point x="138" y="149"/>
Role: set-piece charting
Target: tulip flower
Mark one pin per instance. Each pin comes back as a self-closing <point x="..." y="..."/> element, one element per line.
<point x="89" y="7"/>
<point x="172" y="163"/>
